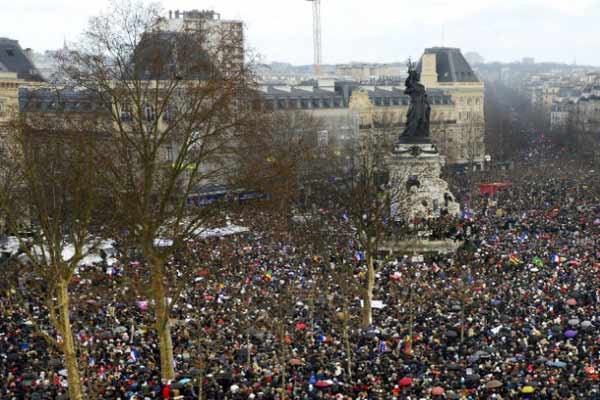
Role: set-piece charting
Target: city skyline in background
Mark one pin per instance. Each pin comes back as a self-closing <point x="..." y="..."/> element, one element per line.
<point x="355" y="31"/>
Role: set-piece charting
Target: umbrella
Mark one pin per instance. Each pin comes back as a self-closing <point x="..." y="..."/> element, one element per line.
<point x="572" y="302"/>
<point x="590" y="370"/>
<point x="437" y="391"/>
<point x="55" y="362"/>
<point x="454" y="367"/>
<point x="451" y="334"/>
<point x="586" y="324"/>
<point x="452" y="395"/>
<point x="120" y="329"/>
<point x="527" y="389"/>
<point x="296" y="361"/>
<point x="185" y="380"/>
<point x="472" y="380"/>
<point x="570" y="333"/>
<point x="493" y="384"/>
<point x="406" y="381"/>
<point x="300" y="326"/>
<point x="574" y="322"/>
<point x="481" y="354"/>
<point x="556" y="364"/>
<point x="322" y="384"/>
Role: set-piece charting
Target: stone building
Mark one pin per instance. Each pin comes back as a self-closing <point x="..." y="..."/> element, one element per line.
<point x="454" y="91"/>
<point x="16" y="70"/>
<point x="9" y="94"/>
<point x="225" y="38"/>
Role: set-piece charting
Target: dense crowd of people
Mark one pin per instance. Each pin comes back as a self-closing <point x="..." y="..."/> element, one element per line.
<point x="512" y="314"/>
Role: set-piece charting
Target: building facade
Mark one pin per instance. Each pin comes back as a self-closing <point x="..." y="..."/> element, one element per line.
<point x="454" y="91"/>
<point x="224" y="38"/>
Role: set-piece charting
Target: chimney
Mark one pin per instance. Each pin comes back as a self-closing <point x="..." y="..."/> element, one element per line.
<point x="28" y="53"/>
<point x="170" y="14"/>
<point x="429" y="76"/>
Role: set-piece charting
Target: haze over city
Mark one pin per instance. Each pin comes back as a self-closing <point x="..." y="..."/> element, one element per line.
<point x="356" y="30"/>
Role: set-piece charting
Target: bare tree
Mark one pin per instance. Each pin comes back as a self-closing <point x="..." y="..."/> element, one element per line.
<point x="359" y="184"/>
<point x="176" y="101"/>
<point x="54" y="191"/>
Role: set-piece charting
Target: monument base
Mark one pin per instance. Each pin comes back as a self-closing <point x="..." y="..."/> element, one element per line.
<point x="419" y="190"/>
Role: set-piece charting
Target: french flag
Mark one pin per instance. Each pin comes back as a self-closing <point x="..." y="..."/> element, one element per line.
<point x="383" y="347"/>
<point x="133" y="355"/>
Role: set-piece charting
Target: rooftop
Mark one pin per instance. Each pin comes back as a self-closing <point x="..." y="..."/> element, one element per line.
<point x="14" y="59"/>
<point x="451" y="65"/>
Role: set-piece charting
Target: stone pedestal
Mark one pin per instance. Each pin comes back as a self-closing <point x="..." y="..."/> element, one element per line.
<point x="419" y="191"/>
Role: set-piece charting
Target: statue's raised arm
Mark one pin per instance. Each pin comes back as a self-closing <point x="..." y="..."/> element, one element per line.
<point x="417" y="119"/>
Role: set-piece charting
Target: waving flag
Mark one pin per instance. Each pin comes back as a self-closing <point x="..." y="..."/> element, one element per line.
<point x="269" y="276"/>
<point x="133" y="355"/>
<point x="514" y="260"/>
<point x="359" y="256"/>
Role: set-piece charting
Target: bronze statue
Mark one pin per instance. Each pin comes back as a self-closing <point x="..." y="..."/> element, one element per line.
<point x="417" y="119"/>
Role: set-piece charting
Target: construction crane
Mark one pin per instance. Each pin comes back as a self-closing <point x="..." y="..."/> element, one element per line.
<point x="317" y="35"/>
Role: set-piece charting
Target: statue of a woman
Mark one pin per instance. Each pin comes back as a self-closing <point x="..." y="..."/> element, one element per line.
<point x="417" y="119"/>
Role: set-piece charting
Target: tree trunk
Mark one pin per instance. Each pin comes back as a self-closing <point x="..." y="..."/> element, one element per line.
<point x="201" y="383"/>
<point x="367" y="311"/>
<point x="163" y="328"/>
<point x="68" y="345"/>
<point x="348" y="350"/>
<point x="283" y="362"/>
<point x="411" y="319"/>
<point x="248" y="350"/>
<point x="462" y="319"/>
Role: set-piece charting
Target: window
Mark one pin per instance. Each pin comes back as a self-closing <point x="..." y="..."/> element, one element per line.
<point x="170" y="154"/>
<point x="126" y="113"/>
<point x="10" y="52"/>
<point x="149" y="113"/>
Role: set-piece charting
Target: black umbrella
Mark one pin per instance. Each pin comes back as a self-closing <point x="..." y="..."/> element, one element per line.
<point x="472" y="380"/>
<point x="451" y="334"/>
<point x="454" y="367"/>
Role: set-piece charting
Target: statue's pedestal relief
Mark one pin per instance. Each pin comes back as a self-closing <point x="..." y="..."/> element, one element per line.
<point x="415" y="170"/>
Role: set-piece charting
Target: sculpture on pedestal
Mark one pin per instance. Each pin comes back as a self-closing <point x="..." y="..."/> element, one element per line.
<point x="419" y="111"/>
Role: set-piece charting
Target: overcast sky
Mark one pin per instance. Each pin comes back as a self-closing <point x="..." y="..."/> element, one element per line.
<point x="358" y="30"/>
